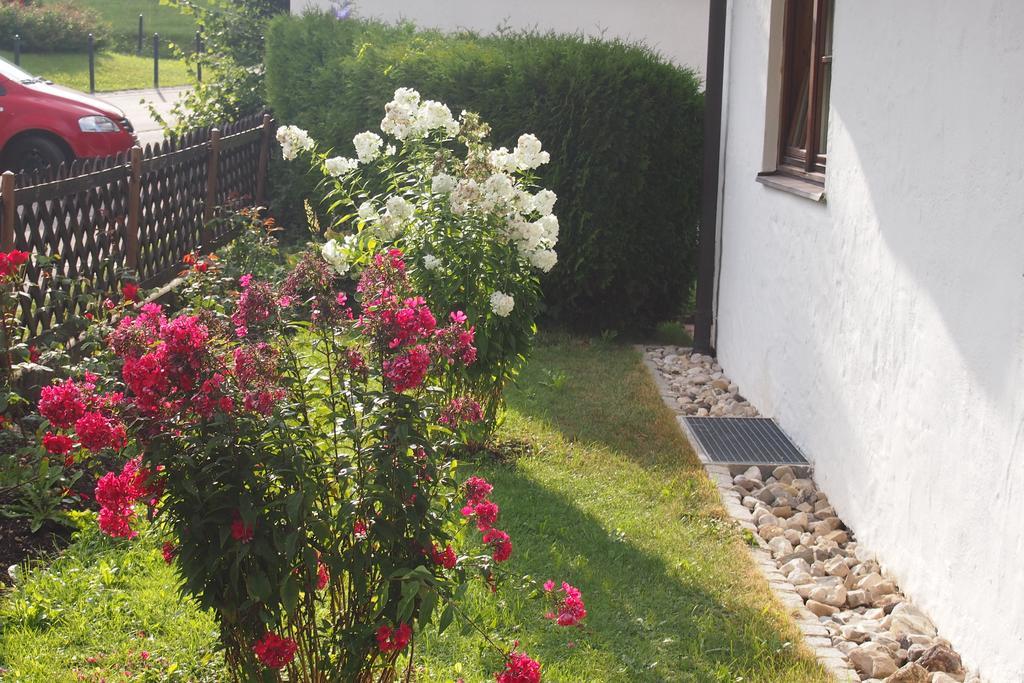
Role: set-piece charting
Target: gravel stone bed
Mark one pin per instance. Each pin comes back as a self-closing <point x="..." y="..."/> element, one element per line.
<point x="840" y="594"/>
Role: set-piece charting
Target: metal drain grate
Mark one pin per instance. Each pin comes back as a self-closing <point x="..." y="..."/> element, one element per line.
<point x="743" y="441"/>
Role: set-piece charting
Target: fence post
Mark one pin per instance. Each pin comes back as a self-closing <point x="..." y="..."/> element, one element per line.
<point x="261" y="177"/>
<point x="199" y="57"/>
<point x="7" y="211"/>
<point x="92" y="63"/>
<point x="212" y="171"/>
<point x="138" y="50"/>
<point x="156" y="61"/>
<point x="131" y="237"/>
<point x="17" y="49"/>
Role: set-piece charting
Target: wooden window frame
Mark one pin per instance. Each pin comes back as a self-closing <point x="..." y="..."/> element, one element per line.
<point x="808" y="163"/>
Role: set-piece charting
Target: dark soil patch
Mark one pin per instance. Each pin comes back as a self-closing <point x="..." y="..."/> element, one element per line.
<point x="18" y="543"/>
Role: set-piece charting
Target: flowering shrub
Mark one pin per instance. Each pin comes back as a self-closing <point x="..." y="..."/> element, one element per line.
<point x="299" y="454"/>
<point x="475" y="228"/>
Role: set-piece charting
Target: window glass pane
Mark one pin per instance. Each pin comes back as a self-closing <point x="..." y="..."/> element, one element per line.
<point x="826" y="77"/>
<point x="800" y="14"/>
<point x="826" y="83"/>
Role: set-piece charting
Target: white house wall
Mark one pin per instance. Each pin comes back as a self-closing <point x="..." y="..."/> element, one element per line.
<point x="884" y="329"/>
<point x="678" y="29"/>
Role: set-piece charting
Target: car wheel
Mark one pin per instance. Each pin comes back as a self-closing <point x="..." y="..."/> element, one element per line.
<point x="33" y="153"/>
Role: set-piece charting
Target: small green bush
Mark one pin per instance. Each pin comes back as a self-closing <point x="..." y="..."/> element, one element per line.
<point x="624" y="129"/>
<point x="63" y="27"/>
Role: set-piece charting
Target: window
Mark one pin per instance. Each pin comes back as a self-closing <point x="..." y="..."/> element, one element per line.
<point x="806" y="77"/>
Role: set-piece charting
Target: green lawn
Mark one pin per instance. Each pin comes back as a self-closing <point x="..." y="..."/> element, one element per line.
<point x="610" y="498"/>
<point x="123" y="17"/>
<point x="113" y="71"/>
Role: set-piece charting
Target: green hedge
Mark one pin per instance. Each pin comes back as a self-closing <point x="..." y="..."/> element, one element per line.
<point x="60" y="27"/>
<point x="624" y="129"/>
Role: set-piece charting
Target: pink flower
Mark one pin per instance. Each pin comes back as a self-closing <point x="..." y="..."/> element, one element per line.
<point x="393" y="640"/>
<point x="570" y="606"/>
<point x="117" y="495"/>
<point x="445" y="558"/>
<point x="62" y="404"/>
<point x="57" y="444"/>
<point x="240" y="531"/>
<point x="96" y="431"/>
<point x="485" y="512"/>
<point x="519" y="668"/>
<point x="549" y="585"/>
<point x="359" y="529"/>
<point x="407" y="370"/>
<point x="322" y="576"/>
<point x="500" y="544"/>
<point x="477" y="489"/>
<point x="168" y="551"/>
<point x="459" y="411"/>
<point x="275" y="652"/>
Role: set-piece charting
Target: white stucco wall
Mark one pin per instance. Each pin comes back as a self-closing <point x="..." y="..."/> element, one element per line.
<point x="885" y="329"/>
<point x="678" y="29"/>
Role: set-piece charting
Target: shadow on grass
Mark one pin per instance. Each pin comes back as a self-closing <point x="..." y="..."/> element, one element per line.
<point x="615" y="502"/>
<point x="646" y="621"/>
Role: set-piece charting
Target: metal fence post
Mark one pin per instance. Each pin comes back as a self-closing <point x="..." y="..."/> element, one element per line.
<point x="199" y="57"/>
<point x="212" y="171"/>
<point x="261" y="178"/>
<point x="138" y="50"/>
<point x="156" y="61"/>
<point x="131" y="238"/>
<point x="7" y="211"/>
<point x="17" y="49"/>
<point x="92" y="63"/>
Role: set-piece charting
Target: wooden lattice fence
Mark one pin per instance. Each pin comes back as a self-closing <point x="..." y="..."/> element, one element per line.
<point x="139" y="212"/>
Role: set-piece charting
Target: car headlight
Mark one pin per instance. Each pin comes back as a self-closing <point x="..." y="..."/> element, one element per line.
<point x="97" y="124"/>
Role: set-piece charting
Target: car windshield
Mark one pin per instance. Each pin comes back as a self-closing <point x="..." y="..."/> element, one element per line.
<point x="16" y="73"/>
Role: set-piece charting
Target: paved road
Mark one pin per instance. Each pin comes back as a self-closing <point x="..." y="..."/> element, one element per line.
<point x="132" y="103"/>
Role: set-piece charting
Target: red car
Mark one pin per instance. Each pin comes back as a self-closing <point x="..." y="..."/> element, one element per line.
<point x="42" y="124"/>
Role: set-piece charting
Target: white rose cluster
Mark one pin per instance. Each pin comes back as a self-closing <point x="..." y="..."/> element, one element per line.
<point x="405" y="116"/>
<point x="502" y="304"/>
<point x="293" y="140"/>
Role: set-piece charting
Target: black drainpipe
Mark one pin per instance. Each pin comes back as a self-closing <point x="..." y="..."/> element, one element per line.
<point x="704" y="316"/>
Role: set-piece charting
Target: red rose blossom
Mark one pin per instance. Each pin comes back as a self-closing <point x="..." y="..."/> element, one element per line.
<point x="519" y="668"/>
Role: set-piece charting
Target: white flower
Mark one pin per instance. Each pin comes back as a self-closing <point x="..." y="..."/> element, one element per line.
<point x="544" y="202"/>
<point x="544" y="259"/>
<point x="336" y="255"/>
<point x="502" y="304"/>
<point x="389" y="228"/>
<point x="499" y="188"/>
<point x="293" y="140"/>
<point x="398" y="208"/>
<point x="442" y="183"/>
<point x="389" y="151"/>
<point x="433" y="115"/>
<point x="465" y="193"/>
<point x="339" y="166"/>
<point x="528" y="152"/>
<point x="431" y="262"/>
<point x="549" y="228"/>
<point x="502" y="160"/>
<point x="529" y="236"/>
<point x="400" y="113"/>
<point x="367" y="212"/>
<point x="523" y="202"/>
<point x="367" y="146"/>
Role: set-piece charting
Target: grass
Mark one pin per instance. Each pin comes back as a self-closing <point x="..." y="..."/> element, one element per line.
<point x="610" y="499"/>
<point x="123" y="17"/>
<point x="113" y="71"/>
<point x="96" y="609"/>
